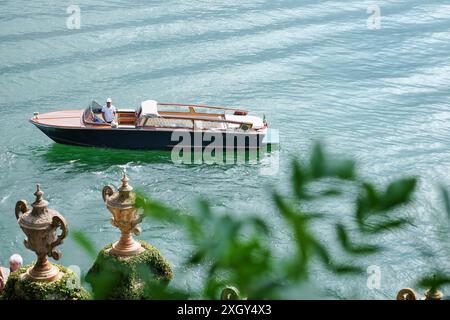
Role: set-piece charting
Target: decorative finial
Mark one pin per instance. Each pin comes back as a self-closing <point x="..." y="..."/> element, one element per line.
<point x="124" y="180"/>
<point x="125" y="187"/>
<point x="38" y="193"/>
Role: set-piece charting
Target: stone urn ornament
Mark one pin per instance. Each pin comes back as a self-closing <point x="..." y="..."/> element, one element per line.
<point x="121" y="204"/>
<point x="410" y="294"/>
<point x="40" y="225"/>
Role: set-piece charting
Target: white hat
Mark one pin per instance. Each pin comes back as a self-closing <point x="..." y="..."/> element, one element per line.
<point x="108" y="100"/>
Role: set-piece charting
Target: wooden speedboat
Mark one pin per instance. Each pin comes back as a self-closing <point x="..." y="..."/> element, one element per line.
<point x="158" y="126"/>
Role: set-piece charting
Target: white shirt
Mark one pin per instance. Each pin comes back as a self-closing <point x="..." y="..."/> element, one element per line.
<point x="109" y="113"/>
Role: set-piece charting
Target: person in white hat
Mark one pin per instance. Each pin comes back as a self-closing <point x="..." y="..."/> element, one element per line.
<point x="109" y="111"/>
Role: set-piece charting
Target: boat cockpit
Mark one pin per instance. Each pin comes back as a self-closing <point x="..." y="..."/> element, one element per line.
<point x="152" y="114"/>
<point x="92" y="115"/>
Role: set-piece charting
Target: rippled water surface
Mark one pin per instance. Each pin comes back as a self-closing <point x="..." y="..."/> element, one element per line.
<point x="313" y="68"/>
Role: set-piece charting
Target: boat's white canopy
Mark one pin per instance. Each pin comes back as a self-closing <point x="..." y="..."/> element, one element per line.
<point x="149" y="109"/>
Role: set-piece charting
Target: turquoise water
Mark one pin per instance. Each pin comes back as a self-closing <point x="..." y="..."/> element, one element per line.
<point x="314" y="68"/>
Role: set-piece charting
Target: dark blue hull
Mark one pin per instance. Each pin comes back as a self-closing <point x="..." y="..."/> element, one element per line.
<point x="140" y="139"/>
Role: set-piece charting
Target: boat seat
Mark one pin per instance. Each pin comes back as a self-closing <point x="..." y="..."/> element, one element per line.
<point x="89" y="117"/>
<point x="204" y="124"/>
<point x="257" y="122"/>
<point x="171" y="123"/>
<point x="97" y="119"/>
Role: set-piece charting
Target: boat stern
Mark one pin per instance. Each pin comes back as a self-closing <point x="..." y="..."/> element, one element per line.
<point x="271" y="138"/>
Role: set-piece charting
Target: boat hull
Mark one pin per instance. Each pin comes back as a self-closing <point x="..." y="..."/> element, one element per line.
<point x="144" y="139"/>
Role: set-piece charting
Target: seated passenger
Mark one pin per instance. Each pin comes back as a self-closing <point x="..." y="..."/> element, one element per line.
<point x="15" y="263"/>
<point x="97" y="119"/>
<point x="109" y="111"/>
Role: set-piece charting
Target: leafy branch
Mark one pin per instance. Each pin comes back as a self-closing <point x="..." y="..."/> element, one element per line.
<point x="235" y="250"/>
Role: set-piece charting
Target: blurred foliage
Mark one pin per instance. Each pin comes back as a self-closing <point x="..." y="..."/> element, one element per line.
<point x="84" y="242"/>
<point x="237" y="249"/>
<point x="437" y="278"/>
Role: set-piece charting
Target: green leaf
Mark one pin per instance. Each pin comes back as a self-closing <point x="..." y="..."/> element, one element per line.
<point x="259" y="224"/>
<point x="159" y="291"/>
<point x="299" y="179"/>
<point x="446" y="198"/>
<point x="103" y="283"/>
<point x="360" y="249"/>
<point x="196" y="258"/>
<point x="339" y="268"/>
<point x="397" y="193"/>
<point x="283" y="207"/>
<point x="331" y="192"/>
<point x="366" y="202"/>
<point x="434" y="281"/>
<point x="325" y="166"/>
<point x="387" y="225"/>
<point x="342" y="169"/>
<point x="346" y="269"/>
<point x="156" y="209"/>
<point x="205" y="209"/>
<point x="317" y="162"/>
<point x="80" y="238"/>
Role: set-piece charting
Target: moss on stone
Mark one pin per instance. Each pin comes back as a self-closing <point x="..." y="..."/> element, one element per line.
<point x="66" y="288"/>
<point x="128" y="278"/>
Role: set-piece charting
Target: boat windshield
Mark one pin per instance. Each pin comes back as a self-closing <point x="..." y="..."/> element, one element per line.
<point x="90" y="114"/>
<point x="96" y="107"/>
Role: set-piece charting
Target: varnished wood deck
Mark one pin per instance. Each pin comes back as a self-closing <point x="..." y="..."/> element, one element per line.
<point x="65" y="118"/>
